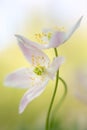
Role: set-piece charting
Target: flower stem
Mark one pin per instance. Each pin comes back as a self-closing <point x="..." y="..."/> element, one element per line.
<point x="53" y="97"/>
<point x="56" y="53"/>
<point x="61" y="100"/>
<point x="64" y="95"/>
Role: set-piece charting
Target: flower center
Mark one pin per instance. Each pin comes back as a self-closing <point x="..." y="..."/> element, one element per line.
<point x="43" y="37"/>
<point x="39" y="70"/>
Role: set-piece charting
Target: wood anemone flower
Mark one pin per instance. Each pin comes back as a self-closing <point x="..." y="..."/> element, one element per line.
<point x="37" y="76"/>
<point x="52" y="38"/>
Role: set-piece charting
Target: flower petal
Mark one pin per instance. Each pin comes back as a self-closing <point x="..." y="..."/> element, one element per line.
<point x="57" y="62"/>
<point x="34" y="55"/>
<point x="56" y="40"/>
<point x="31" y="94"/>
<point x="21" y="78"/>
<point x="60" y="37"/>
<point x="73" y="29"/>
<point x="27" y="42"/>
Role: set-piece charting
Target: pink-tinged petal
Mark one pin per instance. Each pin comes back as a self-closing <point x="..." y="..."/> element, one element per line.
<point x="59" y="38"/>
<point x="28" y="42"/>
<point x="21" y="78"/>
<point x="31" y="94"/>
<point x="73" y="29"/>
<point x="34" y="55"/>
<point x="57" y="62"/>
<point x="56" y="40"/>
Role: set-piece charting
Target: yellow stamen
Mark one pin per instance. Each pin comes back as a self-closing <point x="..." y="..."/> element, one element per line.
<point x="33" y="59"/>
<point x="45" y="37"/>
<point x="39" y="37"/>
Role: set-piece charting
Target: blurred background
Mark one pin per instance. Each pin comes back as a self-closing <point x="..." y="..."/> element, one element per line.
<point x="27" y="17"/>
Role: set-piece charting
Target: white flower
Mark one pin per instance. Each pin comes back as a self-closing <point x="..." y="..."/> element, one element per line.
<point x="36" y="77"/>
<point x="54" y="38"/>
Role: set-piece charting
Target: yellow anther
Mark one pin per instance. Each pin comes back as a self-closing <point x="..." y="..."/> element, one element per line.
<point x="33" y="59"/>
<point x="38" y="37"/>
<point x="32" y="78"/>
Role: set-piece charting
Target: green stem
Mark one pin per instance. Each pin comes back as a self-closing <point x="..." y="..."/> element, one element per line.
<point x="64" y="95"/>
<point x="56" y="53"/>
<point x="53" y="97"/>
<point x="61" y="100"/>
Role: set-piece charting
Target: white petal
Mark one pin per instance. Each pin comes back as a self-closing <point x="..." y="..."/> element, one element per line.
<point x="21" y="78"/>
<point x="27" y="42"/>
<point x="34" y="55"/>
<point x="73" y="29"/>
<point x="57" y="62"/>
<point x="56" y="40"/>
<point x="31" y="94"/>
<point x="61" y="37"/>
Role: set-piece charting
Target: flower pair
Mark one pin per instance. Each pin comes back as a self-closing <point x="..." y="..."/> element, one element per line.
<point x="42" y="70"/>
